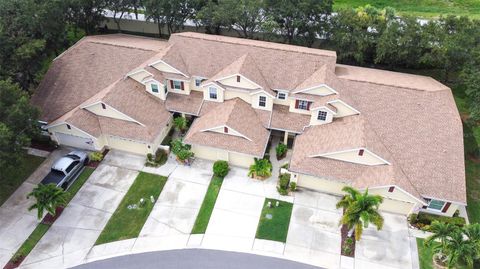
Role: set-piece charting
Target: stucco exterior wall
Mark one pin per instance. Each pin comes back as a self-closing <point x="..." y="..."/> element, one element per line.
<point x="268" y="105"/>
<point x="352" y="156"/>
<point x="108" y="112"/>
<point x="294" y="110"/>
<point x="320" y="184"/>
<point x="161" y="91"/>
<point x="343" y="110"/>
<point x="140" y="76"/>
<point x="245" y="96"/>
<point x="193" y="87"/>
<point x="244" y="83"/>
<point x="186" y="87"/>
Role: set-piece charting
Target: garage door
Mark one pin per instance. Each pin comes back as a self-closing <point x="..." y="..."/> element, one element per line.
<point x="395" y="206"/>
<point x="75" y="141"/>
<point x="129" y="145"/>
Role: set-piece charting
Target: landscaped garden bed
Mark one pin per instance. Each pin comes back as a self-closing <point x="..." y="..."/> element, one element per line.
<point x="47" y="222"/>
<point x="423" y="220"/>
<point x="96" y="158"/>
<point x="274" y="220"/>
<point x="128" y="219"/>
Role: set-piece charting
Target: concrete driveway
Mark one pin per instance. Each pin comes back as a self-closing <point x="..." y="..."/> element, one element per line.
<point x="388" y="248"/>
<point x="314" y="235"/>
<point x="16" y="222"/>
<point x="68" y="240"/>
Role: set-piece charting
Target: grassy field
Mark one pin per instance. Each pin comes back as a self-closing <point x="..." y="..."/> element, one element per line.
<point x="276" y="227"/>
<point x="420" y="8"/>
<point x="11" y="179"/>
<point x="208" y="204"/>
<point x="127" y="223"/>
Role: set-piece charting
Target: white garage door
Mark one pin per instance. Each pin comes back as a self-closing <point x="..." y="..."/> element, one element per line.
<point x="75" y="141"/>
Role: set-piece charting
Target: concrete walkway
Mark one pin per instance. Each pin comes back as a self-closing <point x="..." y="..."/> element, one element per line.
<point x="72" y="235"/>
<point x="16" y="222"/>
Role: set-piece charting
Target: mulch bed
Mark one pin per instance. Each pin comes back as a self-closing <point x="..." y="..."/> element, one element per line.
<point x="42" y="145"/>
<point x="14" y="264"/>
<point x="93" y="164"/>
<point x="49" y="219"/>
<point x="345" y="246"/>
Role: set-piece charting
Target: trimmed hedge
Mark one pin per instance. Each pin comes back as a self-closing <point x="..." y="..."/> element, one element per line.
<point x="220" y="168"/>
<point x="424" y="220"/>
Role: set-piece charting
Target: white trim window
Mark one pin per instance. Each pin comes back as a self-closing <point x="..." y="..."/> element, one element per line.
<point x="177" y="85"/>
<point x="436" y="205"/>
<point x="282" y="95"/>
<point x="302" y="104"/>
<point x="322" y="115"/>
<point x="154" y="87"/>
<point x="262" y="101"/>
<point x="197" y="82"/>
<point x="212" y="93"/>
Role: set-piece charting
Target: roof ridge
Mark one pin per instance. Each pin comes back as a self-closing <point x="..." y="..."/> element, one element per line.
<point x="258" y="43"/>
<point x="116" y="45"/>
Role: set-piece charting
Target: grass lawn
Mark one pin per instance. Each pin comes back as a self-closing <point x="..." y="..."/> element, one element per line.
<point x="425" y="255"/>
<point x="276" y="228"/>
<point x="420" y="8"/>
<point x="208" y="203"/>
<point x="11" y="179"/>
<point x="127" y="223"/>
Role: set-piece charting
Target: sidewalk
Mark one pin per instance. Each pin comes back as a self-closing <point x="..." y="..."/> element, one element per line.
<point x="16" y="222"/>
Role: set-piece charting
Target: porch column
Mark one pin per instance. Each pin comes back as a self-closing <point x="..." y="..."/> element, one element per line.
<point x="183" y="115"/>
<point x="285" y="138"/>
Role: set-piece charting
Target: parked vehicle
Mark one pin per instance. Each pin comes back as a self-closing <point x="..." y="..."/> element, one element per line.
<point x="66" y="169"/>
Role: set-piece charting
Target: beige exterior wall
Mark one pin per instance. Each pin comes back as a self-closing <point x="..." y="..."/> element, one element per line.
<point x="321" y="90"/>
<point x="396" y="206"/>
<point x="285" y="102"/>
<point x="230" y="94"/>
<point x="235" y="159"/>
<point x="161" y="91"/>
<point x="108" y="112"/>
<point x="244" y="83"/>
<point x="343" y="110"/>
<point x="352" y="156"/>
<point x="453" y="207"/>
<point x="186" y="86"/>
<point x="165" y="68"/>
<point x="74" y="131"/>
<point x="220" y="93"/>
<point x="140" y="76"/>
<point x="193" y="87"/>
<point x="294" y="110"/>
<point x="255" y="100"/>
<point x="314" y="117"/>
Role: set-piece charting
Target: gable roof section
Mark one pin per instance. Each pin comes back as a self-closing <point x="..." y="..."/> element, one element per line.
<point x="283" y="66"/>
<point x="236" y="114"/>
<point x="89" y="66"/>
<point x="322" y="76"/>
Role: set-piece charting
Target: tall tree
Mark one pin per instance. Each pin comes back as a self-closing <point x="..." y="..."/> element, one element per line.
<point x="204" y="14"/>
<point x="87" y="14"/>
<point x="299" y="21"/>
<point x="173" y="13"/>
<point x="360" y="209"/>
<point x="119" y="8"/>
<point x="17" y="123"/>
<point x="471" y="79"/>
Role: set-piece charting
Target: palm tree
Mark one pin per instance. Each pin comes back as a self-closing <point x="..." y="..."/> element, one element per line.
<point x="262" y="168"/>
<point x="48" y="197"/>
<point x="180" y="124"/>
<point x="441" y="231"/>
<point x="359" y="210"/>
<point x="460" y="250"/>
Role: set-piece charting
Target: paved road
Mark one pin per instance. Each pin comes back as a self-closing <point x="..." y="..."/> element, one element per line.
<point x="195" y="258"/>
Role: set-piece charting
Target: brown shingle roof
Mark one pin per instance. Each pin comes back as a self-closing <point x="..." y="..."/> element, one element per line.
<point x="282" y="119"/>
<point x="189" y="104"/>
<point x="92" y="64"/>
<point x="235" y="114"/>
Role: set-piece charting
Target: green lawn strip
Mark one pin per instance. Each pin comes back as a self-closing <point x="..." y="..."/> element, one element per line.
<point x="276" y="228"/>
<point x="425" y="255"/>
<point x="127" y="223"/>
<point x="41" y="228"/>
<point x="208" y="203"/>
<point x="420" y="8"/>
<point x="11" y="179"/>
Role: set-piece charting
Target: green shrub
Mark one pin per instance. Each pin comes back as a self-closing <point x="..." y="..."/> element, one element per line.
<point x="220" y="168"/>
<point x="412" y="219"/>
<point x="281" y="151"/>
<point x="150" y="157"/>
<point x="282" y="191"/>
<point x="427" y="219"/>
<point x="284" y="181"/>
<point x="161" y="156"/>
<point x="180" y="124"/>
<point x="262" y="168"/>
<point x="95" y="156"/>
<point x="184" y="154"/>
<point x="284" y="166"/>
<point x="293" y="186"/>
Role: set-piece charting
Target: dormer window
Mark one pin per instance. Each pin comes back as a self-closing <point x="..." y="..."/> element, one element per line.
<point x="262" y="101"/>
<point x="238" y="78"/>
<point x="177" y="85"/>
<point x="302" y="104"/>
<point x="212" y="91"/>
<point x="281" y="95"/>
<point x="104" y="106"/>
<point x="322" y="115"/>
<point x="154" y="87"/>
<point x="197" y="82"/>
